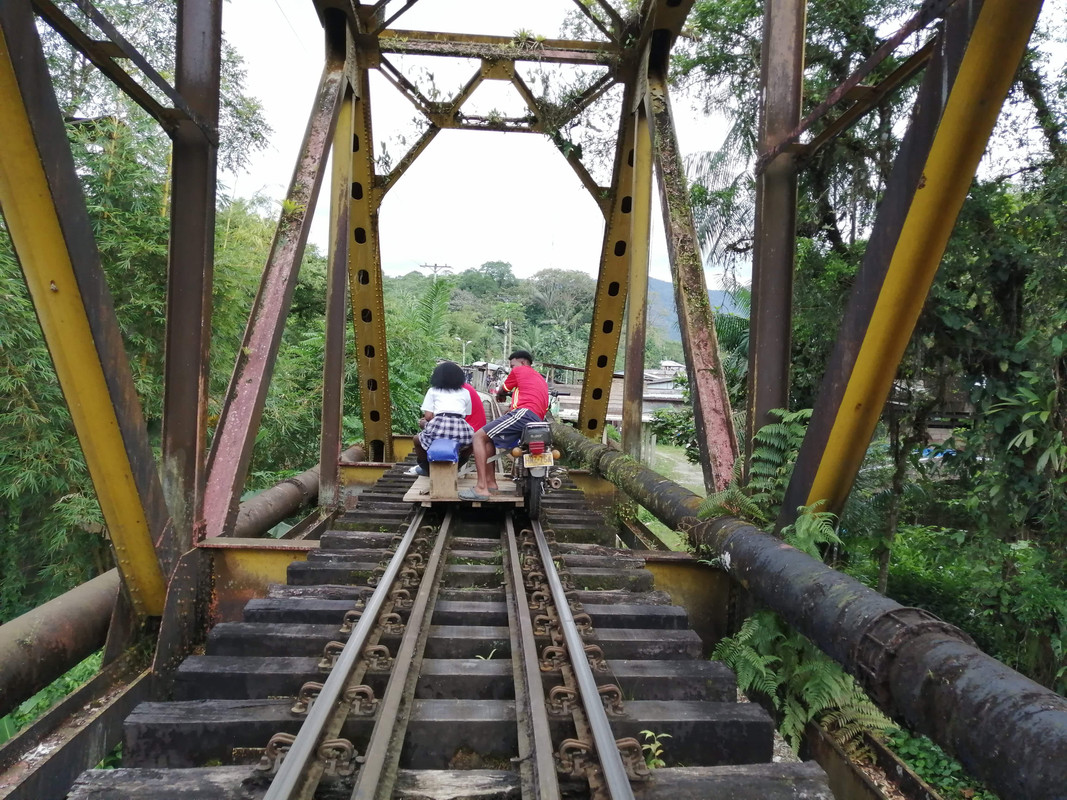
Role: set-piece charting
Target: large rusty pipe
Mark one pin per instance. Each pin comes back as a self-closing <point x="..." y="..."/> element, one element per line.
<point x="260" y="513"/>
<point x="42" y="644"/>
<point x="667" y="500"/>
<point x="1003" y="727"/>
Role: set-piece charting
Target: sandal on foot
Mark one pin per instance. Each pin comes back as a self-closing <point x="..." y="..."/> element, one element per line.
<point x="470" y="494"/>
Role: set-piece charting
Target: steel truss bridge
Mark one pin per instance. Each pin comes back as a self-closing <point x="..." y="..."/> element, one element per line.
<point x="179" y="532"/>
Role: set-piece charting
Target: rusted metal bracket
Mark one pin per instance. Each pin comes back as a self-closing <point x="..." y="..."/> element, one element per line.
<point x="306" y="697"/>
<point x="274" y="753"/>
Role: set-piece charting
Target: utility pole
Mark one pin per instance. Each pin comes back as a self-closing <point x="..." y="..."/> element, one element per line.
<point x="436" y="268"/>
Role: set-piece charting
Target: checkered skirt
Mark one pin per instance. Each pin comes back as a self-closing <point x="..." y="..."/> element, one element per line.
<point x="446" y="426"/>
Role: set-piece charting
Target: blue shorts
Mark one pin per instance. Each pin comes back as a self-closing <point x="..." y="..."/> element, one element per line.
<point x="506" y="430"/>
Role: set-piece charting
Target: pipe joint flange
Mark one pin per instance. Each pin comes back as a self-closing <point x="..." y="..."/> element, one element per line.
<point x="304" y="493"/>
<point x="886" y="634"/>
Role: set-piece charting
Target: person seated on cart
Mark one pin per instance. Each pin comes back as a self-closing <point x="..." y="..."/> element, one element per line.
<point x="445" y="407"/>
<point x="529" y="403"/>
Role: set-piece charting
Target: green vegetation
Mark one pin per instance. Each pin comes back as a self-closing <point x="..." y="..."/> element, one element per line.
<point x="972" y="528"/>
<point x="653" y="749"/>
<point x="31" y="709"/>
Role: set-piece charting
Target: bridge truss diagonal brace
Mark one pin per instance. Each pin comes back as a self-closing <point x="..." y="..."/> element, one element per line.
<point x="333" y="362"/>
<point x="613" y="278"/>
<point x="959" y="101"/>
<point x="711" y="401"/>
<point x="242" y="411"/>
<point x="45" y="212"/>
<point x="365" y="286"/>
<point x="637" y="301"/>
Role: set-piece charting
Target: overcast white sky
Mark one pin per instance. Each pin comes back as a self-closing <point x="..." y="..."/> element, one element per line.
<point x="472" y="196"/>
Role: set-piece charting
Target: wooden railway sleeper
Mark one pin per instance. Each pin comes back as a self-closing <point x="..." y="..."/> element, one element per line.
<point x="316" y="749"/>
<point x="607" y="775"/>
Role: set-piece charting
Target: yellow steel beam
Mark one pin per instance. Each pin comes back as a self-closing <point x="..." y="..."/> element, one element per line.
<point x="74" y="307"/>
<point x="637" y="305"/>
<point x="365" y="281"/>
<point x="996" y="46"/>
<point x="242" y="569"/>
<point x="613" y="281"/>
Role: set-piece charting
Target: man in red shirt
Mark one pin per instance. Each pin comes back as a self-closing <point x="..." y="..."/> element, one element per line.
<point x="476" y="419"/>
<point x="529" y="403"/>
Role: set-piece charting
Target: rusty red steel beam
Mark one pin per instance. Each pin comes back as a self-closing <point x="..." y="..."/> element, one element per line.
<point x="190" y="269"/>
<point x="585" y="9"/>
<point x="774" y="235"/>
<point x="333" y="357"/>
<point x="715" y="432"/>
<point x="495" y="48"/>
<point x="231" y="448"/>
<point x="640" y="190"/>
<point x="1004" y="727"/>
<point x="931" y="10"/>
<point x="871" y="98"/>
<point x="99" y="55"/>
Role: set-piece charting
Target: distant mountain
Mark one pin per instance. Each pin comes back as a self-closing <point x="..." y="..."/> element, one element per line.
<point x="663" y="315"/>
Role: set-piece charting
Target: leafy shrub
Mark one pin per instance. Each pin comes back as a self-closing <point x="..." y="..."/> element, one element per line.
<point x="930" y="763"/>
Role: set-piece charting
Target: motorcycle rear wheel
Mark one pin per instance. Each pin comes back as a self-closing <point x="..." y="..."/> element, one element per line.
<point x="532" y="500"/>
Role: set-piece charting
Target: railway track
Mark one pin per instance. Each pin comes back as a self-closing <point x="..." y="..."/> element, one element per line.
<point x="450" y="653"/>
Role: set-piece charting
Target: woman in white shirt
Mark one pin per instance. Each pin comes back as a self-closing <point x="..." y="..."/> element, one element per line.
<point x="444" y="408"/>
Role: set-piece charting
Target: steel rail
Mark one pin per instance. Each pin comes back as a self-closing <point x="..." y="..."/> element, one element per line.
<point x="381" y="757"/>
<point x="611" y="764"/>
<point x="302" y="753"/>
<point x="535" y="738"/>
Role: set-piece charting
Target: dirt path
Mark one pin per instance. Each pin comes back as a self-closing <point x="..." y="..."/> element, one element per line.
<point x="672" y="463"/>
